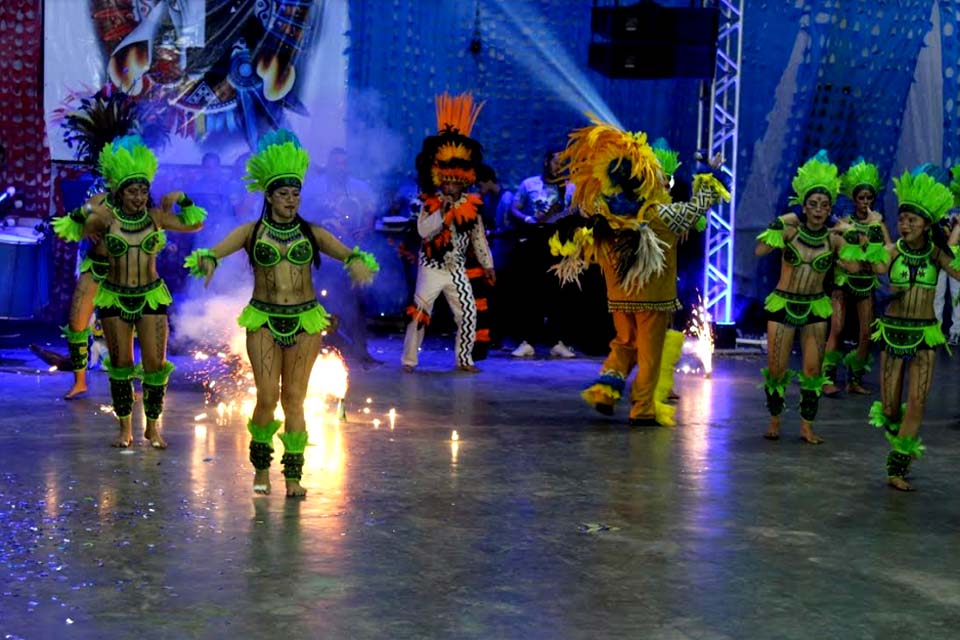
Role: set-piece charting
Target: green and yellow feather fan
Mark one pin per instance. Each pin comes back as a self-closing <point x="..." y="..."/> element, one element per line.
<point x="923" y="195"/>
<point x="279" y="157"/>
<point x="860" y="175"/>
<point x="816" y="173"/>
<point x="668" y="158"/>
<point x="127" y="159"/>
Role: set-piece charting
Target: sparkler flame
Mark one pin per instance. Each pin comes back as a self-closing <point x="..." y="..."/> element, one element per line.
<point x="227" y="378"/>
<point x="701" y="330"/>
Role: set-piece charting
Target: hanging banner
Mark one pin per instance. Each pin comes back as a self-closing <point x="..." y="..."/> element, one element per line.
<point x="221" y="72"/>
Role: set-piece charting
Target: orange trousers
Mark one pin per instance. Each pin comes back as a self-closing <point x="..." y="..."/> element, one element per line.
<point x="639" y="342"/>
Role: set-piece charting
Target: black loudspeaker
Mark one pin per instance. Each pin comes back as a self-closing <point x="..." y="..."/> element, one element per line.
<point x="646" y="40"/>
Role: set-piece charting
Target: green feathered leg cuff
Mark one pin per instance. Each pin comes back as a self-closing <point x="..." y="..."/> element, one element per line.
<point x="776" y="390"/>
<point x="881" y="421"/>
<point x="160" y="377"/>
<point x="261" y="443"/>
<point x="78" y="355"/>
<point x="263" y="434"/>
<point x="294" y="443"/>
<point x="153" y="395"/>
<point x="898" y="464"/>
<point x="906" y="445"/>
<point x="121" y="392"/>
<point x="830" y="361"/>
<point x="292" y="465"/>
<point x="120" y="373"/>
<point x="82" y="336"/>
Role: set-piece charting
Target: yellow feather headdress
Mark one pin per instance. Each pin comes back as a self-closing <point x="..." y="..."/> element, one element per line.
<point x="596" y="151"/>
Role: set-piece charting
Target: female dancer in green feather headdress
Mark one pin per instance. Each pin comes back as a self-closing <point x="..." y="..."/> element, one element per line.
<point x="133" y="296"/>
<point x="799" y="301"/>
<point x="284" y="321"/>
<point x="867" y="238"/>
<point x="909" y="330"/>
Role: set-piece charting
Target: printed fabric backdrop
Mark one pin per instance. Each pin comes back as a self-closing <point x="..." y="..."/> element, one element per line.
<point x="222" y="71"/>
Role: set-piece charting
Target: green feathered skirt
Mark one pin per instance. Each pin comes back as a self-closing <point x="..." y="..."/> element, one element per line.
<point x="797" y="309"/>
<point x="904" y="337"/>
<point x="284" y="321"/>
<point x="131" y="303"/>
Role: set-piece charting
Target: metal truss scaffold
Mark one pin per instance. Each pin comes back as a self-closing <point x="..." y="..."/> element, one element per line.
<point x="719" y="108"/>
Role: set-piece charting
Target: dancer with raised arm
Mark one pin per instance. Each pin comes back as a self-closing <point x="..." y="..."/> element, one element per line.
<point x="285" y="322"/>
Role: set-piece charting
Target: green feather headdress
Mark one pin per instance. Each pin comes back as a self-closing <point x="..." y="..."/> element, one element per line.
<point x="127" y="158"/>
<point x="861" y="174"/>
<point x="923" y="195"/>
<point x="955" y="184"/>
<point x="279" y="157"/>
<point x="816" y="173"/>
<point x="668" y="158"/>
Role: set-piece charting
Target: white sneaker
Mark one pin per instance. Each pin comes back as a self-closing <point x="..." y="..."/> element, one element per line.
<point x="954" y="341"/>
<point x="523" y="351"/>
<point x="561" y="350"/>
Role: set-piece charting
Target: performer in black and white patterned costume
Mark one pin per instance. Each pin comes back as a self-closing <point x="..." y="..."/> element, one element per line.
<point x="448" y="223"/>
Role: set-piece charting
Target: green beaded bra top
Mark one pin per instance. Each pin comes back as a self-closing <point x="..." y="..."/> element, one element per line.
<point x="814" y="240"/>
<point x="299" y="248"/>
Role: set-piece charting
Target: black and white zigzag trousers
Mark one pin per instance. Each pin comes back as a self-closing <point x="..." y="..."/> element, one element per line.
<point x="455" y="287"/>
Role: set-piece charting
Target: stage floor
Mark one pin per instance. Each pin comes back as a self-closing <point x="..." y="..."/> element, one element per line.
<point x="545" y="520"/>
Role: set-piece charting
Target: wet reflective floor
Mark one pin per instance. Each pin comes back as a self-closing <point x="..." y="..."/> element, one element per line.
<point x="542" y="520"/>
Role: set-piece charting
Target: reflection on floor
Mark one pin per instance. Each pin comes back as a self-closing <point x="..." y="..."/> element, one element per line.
<point x="541" y="520"/>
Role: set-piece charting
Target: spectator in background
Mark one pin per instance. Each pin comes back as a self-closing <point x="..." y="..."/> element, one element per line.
<point x="346" y="206"/>
<point x="948" y="292"/>
<point x="540" y="203"/>
<point x="495" y="212"/>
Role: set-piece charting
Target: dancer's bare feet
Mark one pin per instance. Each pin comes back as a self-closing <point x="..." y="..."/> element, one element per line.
<point x="125" y="439"/>
<point x="78" y="389"/>
<point x="152" y="434"/>
<point x="261" y="482"/>
<point x="831" y="390"/>
<point x="858" y="389"/>
<point x="807" y="435"/>
<point x="773" y="431"/>
<point x="899" y="483"/>
<point x="295" y="490"/>
<point x="407" y="368"/>
<point x="468" y="368"/>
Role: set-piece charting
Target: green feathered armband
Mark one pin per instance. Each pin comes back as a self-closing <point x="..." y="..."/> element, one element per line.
<point x="907" y="445"/>
<point x="777" y="386"/>
<point x="955" y="263"/>
<point x="194" y="262"/>
<point x="191" y="214"/>
<point x="701" y="224"/>
<point x="851" y="252"/>
<point x="709" y="182"/>
<point x="773" y="236"/>
<point x="70" y="226"/>
<point x="876" y="253"/>
<point x="361" y="266"/>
